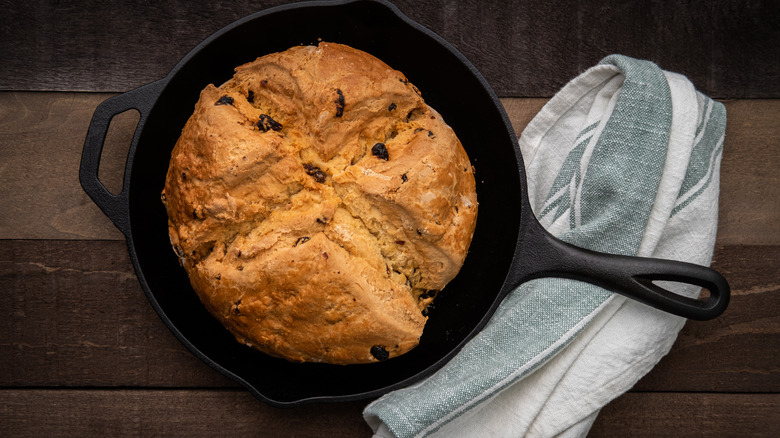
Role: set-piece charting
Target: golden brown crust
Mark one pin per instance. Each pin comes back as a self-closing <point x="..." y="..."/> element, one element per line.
<point x="315" y="201"/>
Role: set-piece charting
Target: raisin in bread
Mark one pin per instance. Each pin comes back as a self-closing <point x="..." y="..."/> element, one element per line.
<point x="318" y="205"/>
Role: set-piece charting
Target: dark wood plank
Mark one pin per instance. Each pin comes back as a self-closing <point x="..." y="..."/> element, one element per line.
<point x="40" y="196"/>
<point x="77" y="317"/>
<point x="193" y="413"/>
<point x="682" y="415"/>
<point x="728" y="48"/>
<point x="750" y="183"/>
<point x="42" y="135"/>
<point x="180" y="413"/>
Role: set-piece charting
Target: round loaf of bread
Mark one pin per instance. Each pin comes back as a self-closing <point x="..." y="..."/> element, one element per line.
<point x="318" y="204"/>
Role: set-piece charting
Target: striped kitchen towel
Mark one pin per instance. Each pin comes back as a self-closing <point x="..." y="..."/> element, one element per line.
<point x="624" y="159"/>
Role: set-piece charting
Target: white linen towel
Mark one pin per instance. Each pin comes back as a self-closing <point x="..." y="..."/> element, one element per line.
<point x="624" y="159"/>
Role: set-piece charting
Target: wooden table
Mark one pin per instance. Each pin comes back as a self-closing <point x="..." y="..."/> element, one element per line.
<point x="82" y="353"/>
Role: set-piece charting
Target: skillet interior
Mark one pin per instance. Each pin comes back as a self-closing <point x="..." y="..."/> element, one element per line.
<point x="448" y="83"/>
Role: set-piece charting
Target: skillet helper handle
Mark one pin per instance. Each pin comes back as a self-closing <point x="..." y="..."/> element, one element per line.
<point x="114" y="206"/>
<point x="634" y="277"/>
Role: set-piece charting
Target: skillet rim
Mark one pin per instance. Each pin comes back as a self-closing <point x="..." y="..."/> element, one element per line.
<point x="162" y="84"/>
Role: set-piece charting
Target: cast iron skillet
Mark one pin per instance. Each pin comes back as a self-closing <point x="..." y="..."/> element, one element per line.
<point x="509" y="245"/>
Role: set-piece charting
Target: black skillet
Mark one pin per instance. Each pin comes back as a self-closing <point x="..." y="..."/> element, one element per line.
<point x="509" y="246"/>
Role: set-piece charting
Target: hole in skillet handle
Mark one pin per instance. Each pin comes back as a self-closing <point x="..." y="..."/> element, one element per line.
<point x="115" y="147"/>
<point x="540" y="254"/>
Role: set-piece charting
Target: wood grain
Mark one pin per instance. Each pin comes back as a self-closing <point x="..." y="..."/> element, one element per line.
<point x="199" y="413"/>
<point x="41" y="138"/>
<point x="78" y="317"/>
<point x="728" y="48"/>
<point x="172" y="413"/>
<point x="40" y="196"/>
<point x="683" y="415"/>
<point x="750" y="183"/>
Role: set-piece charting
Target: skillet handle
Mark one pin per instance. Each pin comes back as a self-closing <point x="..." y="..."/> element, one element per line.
<point x="633" y="277"/>
<point x="114" y="206"/>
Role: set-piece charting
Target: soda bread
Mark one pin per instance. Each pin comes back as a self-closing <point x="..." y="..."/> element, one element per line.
<point x="318" y="204"/>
